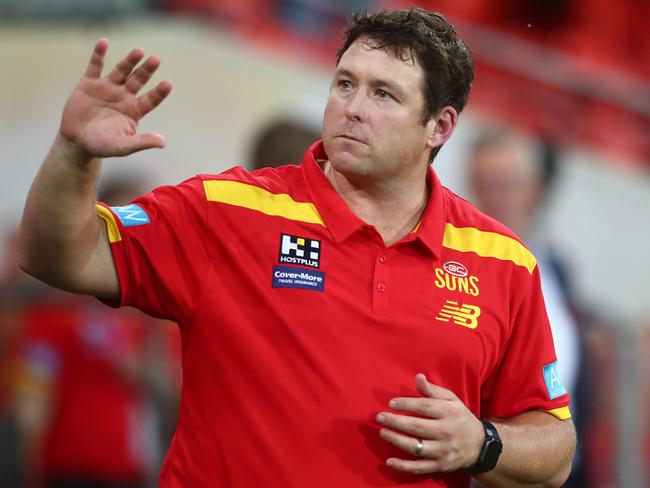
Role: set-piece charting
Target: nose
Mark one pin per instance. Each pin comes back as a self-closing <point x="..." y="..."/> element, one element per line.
<point x="354" y="108"/>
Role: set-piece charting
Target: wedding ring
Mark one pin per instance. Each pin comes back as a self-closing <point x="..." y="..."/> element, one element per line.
<point x="419" y="447"/>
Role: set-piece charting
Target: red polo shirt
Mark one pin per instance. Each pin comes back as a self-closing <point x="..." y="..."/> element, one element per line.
<point x="298" y="324"/>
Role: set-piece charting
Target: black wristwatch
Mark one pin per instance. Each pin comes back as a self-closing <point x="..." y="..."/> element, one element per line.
<point x="490" y="451"/>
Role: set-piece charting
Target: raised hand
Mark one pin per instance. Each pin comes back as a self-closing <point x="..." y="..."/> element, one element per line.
<point x="101" y="115"/>
<point x="449" y="434"/>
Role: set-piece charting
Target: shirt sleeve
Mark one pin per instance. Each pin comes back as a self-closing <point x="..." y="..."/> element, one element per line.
<point x="526" y="376"/>
<point x="159" y="249"/>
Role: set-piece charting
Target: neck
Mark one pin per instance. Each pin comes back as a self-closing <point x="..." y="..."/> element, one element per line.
<point x="393" y="208"/>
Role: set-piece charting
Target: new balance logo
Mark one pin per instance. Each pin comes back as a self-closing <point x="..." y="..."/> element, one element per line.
<point x="465" y="315"/>
<point x="299" y="250"/>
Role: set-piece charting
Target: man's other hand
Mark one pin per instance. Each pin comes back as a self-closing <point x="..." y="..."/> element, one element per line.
<point x="451" y="435"/>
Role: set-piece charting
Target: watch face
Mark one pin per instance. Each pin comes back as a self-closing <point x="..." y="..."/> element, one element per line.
<point x="493" y="447"/>
<point x="494" y="444"/>
<point x="490" y="452"/>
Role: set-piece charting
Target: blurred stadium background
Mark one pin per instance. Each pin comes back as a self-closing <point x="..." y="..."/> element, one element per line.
<point x="572" y="74"/>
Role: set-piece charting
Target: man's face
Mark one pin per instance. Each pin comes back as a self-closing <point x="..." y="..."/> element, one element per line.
<point x="505" y="184"/>
<point x="372" y="125"/>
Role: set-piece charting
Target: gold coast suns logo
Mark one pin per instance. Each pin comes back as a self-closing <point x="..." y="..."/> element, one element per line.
<point x="453" y="276"/>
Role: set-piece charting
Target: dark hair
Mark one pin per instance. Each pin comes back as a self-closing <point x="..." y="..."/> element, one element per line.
<point x="426" y="37"/>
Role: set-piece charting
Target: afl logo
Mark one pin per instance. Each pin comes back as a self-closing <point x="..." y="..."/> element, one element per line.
<point x="456" y="269"/>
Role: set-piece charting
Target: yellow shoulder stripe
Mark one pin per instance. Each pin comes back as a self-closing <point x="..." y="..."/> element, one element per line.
<point x="488" y="245"/>
<point x="260" y="200"/>
<point x="562" y="413"/>
<point x="111" y="226"/>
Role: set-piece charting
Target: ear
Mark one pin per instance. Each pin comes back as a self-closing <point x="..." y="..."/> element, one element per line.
<point x="441" y="126"/>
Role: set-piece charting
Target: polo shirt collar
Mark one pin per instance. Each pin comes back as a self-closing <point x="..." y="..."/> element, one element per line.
<point x="342" y="223"/>
<point x="432" y="225"/>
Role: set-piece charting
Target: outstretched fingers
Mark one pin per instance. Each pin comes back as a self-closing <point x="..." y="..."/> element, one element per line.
<point x="96" y="63"/>
<point x="123" y="69"/>
<point x="142" y="74"/>
<point x="154" y="97"/>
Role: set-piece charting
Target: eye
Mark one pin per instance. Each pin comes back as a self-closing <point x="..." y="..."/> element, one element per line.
<point x="384" y="95"/>
<point x="344" y="84"/>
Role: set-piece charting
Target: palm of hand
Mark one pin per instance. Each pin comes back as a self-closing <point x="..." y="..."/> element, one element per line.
<point x="101" y="115"/>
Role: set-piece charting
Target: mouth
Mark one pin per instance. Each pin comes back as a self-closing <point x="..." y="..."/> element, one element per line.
<point x="351" y="138"/>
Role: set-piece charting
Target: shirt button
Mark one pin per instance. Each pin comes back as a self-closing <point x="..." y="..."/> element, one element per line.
<point x="382" y="259"/>
<point x="381" y="287"/>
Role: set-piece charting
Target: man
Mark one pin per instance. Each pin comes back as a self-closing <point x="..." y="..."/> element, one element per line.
<point x="309" y="296"/>
<point x="510" y="179"/>
<point x="507" y="183"/>
<point x="90" y="383"/>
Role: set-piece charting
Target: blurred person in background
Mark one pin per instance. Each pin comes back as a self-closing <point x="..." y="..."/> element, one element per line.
<point x="510" y="179"/>
<point x="309" y="296"/>
<point x="15" y="288"/>
<point x="92" y="387"/>
<point x="281" y="141"/>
